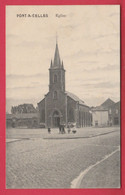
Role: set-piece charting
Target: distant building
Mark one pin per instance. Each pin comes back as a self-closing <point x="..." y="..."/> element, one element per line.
<point x="60" y="106"/>
<point x="100" y="117"/>
<point x="107" y="103"/>
<point x="114" y="114"/>
<point x="27" y="120"/>
<point x="24" y="115"/>
<point x="107" y="114"/>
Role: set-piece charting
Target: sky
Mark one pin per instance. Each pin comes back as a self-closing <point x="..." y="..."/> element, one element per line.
<point x="89" y="45"/>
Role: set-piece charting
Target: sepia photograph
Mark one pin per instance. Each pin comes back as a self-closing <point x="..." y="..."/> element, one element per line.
<point x="63" y="97"/>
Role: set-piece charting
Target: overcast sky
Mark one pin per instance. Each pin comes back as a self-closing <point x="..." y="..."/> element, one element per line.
<point x="89" y="45"/>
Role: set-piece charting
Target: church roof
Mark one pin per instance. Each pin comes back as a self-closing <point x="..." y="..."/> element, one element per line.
<point x="41" y="100"/>
<point x="74" y="97"/>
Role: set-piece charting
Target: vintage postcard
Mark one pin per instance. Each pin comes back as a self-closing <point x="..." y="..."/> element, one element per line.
<point x="63" y="97"/>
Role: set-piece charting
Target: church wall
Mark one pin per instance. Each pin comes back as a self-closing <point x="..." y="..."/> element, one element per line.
<point x="84" y="117"/>
<point x="71" y="110"/>
<point x="78" y="114"/>
<point x="41" y="107"/>
<point x="58" y="104"/>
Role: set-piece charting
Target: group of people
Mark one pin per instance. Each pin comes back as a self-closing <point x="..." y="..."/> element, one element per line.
<point x="62" y="127"/>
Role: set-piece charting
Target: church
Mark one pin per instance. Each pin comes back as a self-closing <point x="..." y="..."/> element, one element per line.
<point x="59" y="106"/>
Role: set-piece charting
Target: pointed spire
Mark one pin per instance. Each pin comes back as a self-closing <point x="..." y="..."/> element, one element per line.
<point x="57" y="62"/>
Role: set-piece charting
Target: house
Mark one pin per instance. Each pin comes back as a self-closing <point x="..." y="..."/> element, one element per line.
<point x="100" y="117"/>
<point x="27" y="120"/>
<point x="24" y="115"/>
<point x="107" y="114"/>
<point x="114" y="114"/>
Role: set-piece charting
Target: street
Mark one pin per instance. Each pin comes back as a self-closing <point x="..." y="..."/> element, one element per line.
<point x="35" y="159"/>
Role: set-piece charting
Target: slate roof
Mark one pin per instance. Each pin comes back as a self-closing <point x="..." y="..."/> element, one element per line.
<point x="117" y="104"/>
<point x="104" y="106"/>
<point x="77" y="99"/>
<point x="41" y="101"/>
<point x="107" y="103"/>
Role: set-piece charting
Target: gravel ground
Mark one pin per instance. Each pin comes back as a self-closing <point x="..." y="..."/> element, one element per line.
<point x="53" y="163"/>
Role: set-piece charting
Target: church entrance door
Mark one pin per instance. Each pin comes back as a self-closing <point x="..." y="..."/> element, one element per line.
<point x="56" y="119"/>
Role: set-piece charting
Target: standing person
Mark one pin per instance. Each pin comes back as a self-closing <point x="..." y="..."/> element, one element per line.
<point x="68" y="127"/>
<point x="63" y="128"/>
<point x="49" y="130"/>
<point x="60" y="128"/>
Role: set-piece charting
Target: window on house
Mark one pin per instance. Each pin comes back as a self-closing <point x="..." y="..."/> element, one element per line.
<point x="110" y="111"/>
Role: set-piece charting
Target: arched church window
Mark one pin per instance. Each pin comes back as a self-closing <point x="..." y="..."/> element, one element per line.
<point x="55" y="95"/>
<point x="55" y="78"/>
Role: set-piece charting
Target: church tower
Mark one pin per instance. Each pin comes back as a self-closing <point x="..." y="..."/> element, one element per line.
<point x="56" y="74"/>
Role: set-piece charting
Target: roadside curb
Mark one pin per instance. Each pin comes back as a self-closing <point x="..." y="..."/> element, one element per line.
<point x="80" y="137"/>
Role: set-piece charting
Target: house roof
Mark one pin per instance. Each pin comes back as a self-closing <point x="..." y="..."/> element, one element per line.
<point x="22" y="115"/>
<point x="75" y="98"/>
<point x="107" y="103"/>
<point x="117" y="104"/>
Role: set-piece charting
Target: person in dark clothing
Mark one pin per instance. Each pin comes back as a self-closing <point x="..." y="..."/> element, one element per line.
<point x="63" y="128"/>
<point x="60" y="128"/>
<point x="49" y="130"/>
<point x="68" y="127"/>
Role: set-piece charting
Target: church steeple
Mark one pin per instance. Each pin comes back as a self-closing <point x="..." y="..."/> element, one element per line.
<point x="56" y="73"/>
<point x="57" y="61"/>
